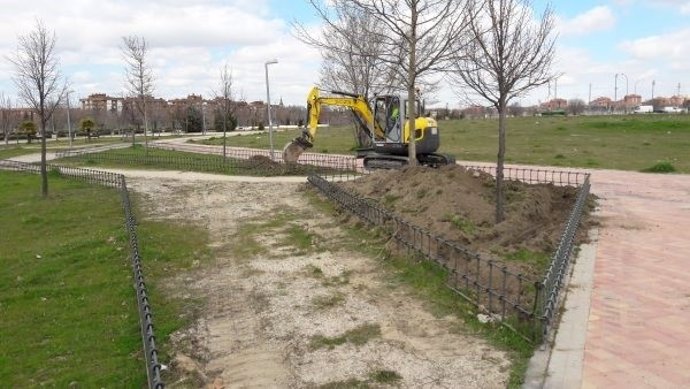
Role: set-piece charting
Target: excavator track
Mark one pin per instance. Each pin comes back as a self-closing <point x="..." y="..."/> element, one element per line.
<point x="435" y="160"/>
<point x="375" y="161"/>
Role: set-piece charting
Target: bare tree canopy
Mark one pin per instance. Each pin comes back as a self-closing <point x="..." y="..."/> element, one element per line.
<point x="351" y="48"/>
<point x="576" y="106"/>
<point x="407" y="39"/>
<point x="38" y="80"/>
<point x="508" y="54"/>
<point x="227" y="108"/>
<point x="139" y="79"/>
<point x="8" y="118"/>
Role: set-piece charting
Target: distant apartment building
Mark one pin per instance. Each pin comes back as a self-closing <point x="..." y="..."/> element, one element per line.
<point x="676" y="101"/>
<point x="555" y="104"/>
<point x="601" y="102"/>
<point x="190" y="100"/>
<point x="102" y="102"/>
<point x="632" y="100"/>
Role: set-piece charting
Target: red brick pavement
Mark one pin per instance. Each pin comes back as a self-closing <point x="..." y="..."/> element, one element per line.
<point x="638" y="334"/>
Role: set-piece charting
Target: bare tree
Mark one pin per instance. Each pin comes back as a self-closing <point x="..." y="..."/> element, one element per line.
<point x="515" y="109"/>
<point x="227" y="106"/>
<point x="413" y="38"/>
<point x="576" y="106"/>
<point x="139" y="77"/>
<point x="8" y="118"/>
<point x="509" y="54"/>
<point x="351" y="48"/>
<point x="38" y="80"/>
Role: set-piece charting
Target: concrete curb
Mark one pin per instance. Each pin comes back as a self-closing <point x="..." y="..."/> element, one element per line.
<point x="558" y="363"/>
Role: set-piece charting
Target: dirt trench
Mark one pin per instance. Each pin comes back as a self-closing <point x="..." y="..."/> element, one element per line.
<point x="278" y="314"/>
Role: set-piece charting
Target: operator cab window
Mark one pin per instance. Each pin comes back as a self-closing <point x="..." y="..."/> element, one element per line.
<point x="387" y="115"/>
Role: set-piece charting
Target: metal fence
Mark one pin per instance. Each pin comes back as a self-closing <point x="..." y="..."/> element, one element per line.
<point x="551" y="286"/>
<point x="153" y="367"/>
<point x="491" y="284"/>
<point x="238" y="160"/>
<point x="526" y="305"/>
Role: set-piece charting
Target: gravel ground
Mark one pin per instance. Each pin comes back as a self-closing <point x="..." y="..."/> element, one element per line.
<point x="264" y="313"/>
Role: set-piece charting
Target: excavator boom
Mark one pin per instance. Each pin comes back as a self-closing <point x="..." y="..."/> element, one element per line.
<point x="315" y="103"/>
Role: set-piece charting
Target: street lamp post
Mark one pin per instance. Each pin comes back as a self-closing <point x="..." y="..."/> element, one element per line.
<point x="626" y="83"/>
<point x="635" y="86"/>
<point x="615" y="91"/>
<point x="69" y="123"/>
<point x="268" y="102"/>
<point x="625" y="103"/>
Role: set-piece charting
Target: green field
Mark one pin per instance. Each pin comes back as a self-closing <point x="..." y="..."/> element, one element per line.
<point x="68" y="311"/>
<point x="632" y="142"/>
<point x="13" y="149"/>
<point x="157" y="159"/>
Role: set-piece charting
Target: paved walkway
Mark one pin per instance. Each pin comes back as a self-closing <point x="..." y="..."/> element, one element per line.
<point x="638" y="332"/>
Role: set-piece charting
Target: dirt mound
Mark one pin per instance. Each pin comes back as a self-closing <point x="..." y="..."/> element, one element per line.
<point x="459" y="205"/>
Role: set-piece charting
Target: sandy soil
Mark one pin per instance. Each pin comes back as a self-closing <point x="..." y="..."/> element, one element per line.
<point x="263" y="313"/>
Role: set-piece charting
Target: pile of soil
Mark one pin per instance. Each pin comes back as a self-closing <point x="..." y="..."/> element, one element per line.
<point x="263" y="164"/>
<point x="459" y="205"/>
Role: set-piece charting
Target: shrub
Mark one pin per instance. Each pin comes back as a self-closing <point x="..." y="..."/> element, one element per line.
<point x="661" y="167"/>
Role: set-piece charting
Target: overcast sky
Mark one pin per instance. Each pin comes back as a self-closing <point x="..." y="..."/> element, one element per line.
<point x="190" y="40"/>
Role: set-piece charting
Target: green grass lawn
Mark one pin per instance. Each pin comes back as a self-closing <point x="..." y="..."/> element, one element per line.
<point x="335" y="140"/>
<point x="138" y="157"/>
<point x="631" y="142"/>
<point x="66" y="299"/>
<point x="67" y="307"/>
<point x="13" y="149"/>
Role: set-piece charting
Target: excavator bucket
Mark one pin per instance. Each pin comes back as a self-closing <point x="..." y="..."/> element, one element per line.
<point x="292" y="151"/>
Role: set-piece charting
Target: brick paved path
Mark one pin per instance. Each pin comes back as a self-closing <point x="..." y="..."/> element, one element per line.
<point x="638" y="334"/>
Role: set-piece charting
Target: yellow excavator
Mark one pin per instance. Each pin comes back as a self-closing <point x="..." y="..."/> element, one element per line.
<point x="383" y="134"/>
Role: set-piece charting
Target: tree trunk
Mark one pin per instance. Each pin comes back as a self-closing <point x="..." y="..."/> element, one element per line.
<point x="411" y="79"/>
<point x="146" y="129"/>
<point x="225" y="128"/>
<point x="500" y="197"/>
<point x="44" y="170"/>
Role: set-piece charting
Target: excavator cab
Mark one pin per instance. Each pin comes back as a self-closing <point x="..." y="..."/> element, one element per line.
<point x="387" y="115"/>
<point x="390" y="113"/>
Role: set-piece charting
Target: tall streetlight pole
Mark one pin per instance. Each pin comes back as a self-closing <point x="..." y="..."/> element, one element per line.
<point x="625" y="103"/>
<point x="626" y="83"/>
<point x="635" y="86"/>
<point x="268" y="103"/>
<point x="69" y="123"/>
<point x="615" y="88"/>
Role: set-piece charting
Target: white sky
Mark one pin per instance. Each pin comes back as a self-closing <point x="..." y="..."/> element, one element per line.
<point x="190" y="40"/>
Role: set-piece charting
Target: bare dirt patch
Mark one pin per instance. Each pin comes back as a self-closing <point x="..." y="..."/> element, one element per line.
<point x="287" y="305"/>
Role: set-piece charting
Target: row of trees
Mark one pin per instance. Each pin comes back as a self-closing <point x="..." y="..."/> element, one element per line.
<point x="496" y="50"/>
<point x="41" y="86"/>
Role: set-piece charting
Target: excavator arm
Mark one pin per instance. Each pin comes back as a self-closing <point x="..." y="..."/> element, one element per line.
<point x="315" y="102"/>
